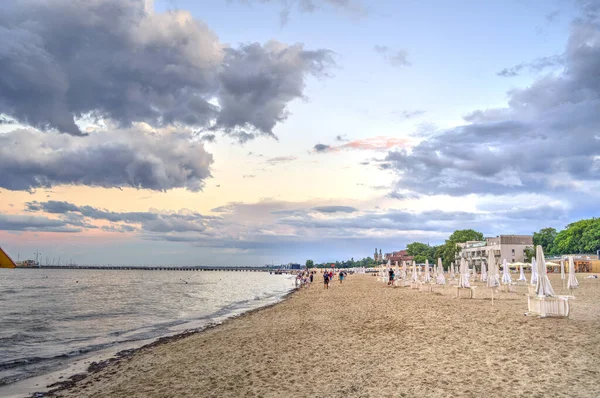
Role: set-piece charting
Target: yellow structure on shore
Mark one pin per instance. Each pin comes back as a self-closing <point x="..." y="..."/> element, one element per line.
<point x="6" y="261"/>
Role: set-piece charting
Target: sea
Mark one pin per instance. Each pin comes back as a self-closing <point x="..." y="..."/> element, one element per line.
<point x="50" y="318"/>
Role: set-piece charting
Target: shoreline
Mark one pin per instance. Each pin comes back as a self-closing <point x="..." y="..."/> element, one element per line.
<point x="65" y="377"/>
<point x="364" y="339"/>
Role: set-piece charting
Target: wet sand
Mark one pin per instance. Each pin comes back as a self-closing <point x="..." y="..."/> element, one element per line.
<point x="364" y="339"/>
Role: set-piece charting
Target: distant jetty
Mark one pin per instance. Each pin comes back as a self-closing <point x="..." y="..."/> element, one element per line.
<point x="157" y="268"/>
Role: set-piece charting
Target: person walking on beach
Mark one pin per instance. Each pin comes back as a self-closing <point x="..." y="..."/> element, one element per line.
<point x="326" y="280"/>
<point x="392" y="276"/>
<point x="342" y="276"/>
<point x="311" y="277"/>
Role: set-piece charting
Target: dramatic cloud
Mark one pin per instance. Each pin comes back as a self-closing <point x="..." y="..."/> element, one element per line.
<point x="394" y="58"/>
<point x="208" y="138"/>
<point x="137" y="157"/>
<point x="9" y="222"/>
<point x="321" y="148"/>
<point x="534" y="66"/>
<point x="335" y="209"/>
<point x="368" y="144"/>
<point x="119" y="60"/>
<point x="546" y="140"/>
<point x="151" y="221"/>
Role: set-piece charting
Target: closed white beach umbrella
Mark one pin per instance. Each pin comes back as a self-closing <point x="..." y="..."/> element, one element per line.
<point x="534" y="271"/>
<point x="506" y="279"/>
<point x="492" y="280"/>
<point x="452" y="270"/>
<point x="440" y="275"/>
<point x="403" y="273"/>
<point x="562" y="269"/>
<point x="483" y="272"/>
<point x="427" y="278"/>
<point x="522" y="273"/>
<point x="415" y="276"/>
<point x="463" y="278"/>
<point x="397" y="270"/>
<point x="572" y="283"/>
<point x="543" y="288"/>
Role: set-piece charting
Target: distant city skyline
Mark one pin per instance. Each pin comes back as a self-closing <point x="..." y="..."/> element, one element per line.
<point x="251" y="132"/>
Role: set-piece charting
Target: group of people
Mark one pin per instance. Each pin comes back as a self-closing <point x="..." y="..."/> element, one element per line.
<point x="304" y="278"/>
<point x="328" y="277"/>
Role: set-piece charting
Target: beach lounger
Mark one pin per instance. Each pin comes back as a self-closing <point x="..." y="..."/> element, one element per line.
<point x="426" y="287"/>
<point x="508" y="288"/>
<point x="543" y="307"/>
<point x="464" y="292"/>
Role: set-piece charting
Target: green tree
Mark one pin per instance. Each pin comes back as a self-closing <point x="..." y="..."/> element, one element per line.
<point x="450" y="248"/>
<point x="545" y="238"/>
<point x="420" y="251"/>
<point x="529" y="253"/>
<point x="579" y="237"/>
<point x="310" y="264"/>
<point x="590" y="240"/>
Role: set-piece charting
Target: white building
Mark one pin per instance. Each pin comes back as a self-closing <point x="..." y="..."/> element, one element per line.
<point x="509" y="247"/>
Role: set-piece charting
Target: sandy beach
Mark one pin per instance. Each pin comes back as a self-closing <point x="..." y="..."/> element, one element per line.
<point x="364" y="339"/>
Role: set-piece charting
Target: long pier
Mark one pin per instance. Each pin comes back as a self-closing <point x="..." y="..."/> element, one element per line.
<point x="159" y="268"/>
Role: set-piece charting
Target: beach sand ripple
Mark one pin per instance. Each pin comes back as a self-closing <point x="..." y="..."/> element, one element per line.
<point x="364" y="339"/>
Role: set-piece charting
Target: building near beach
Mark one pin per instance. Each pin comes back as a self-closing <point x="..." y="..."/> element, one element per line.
<point x="399" y="256"/>
<point x="509" y="247"/>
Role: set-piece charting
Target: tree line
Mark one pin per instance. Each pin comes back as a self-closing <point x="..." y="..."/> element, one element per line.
<point x="581" y="237"/>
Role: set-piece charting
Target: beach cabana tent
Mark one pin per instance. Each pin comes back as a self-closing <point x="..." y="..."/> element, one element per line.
<point x="534" y="272"/>
<point x="463" y="278"/>
<point x="492" y="280"/>
<point x="522" y="274"/>
<point x="414" y="276"/>
<point x="543" y="288"/>
<point x="427" y="277"/>
<point x="572" y="282"/>
<point x="483" y="272"/>
<point x="506" y="279"/>
<point x="440" y="273"/>
<point x="545" y="302"/>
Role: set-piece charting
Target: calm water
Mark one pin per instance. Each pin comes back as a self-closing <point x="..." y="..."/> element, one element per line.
<point x="48" y="317"/>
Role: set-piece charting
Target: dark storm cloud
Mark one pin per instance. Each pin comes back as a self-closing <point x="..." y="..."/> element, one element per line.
<point x="152" y="221"/>
<point x="335" y="209"/>
<point x="9" y="222"/>
<point x="208" y="138"/>
<point x="30" y="159"/>
<point x="543" y="141"/>
<point x="258" y="81"/>
<point x="119" y="60"/>
<point x="321" y="148"/>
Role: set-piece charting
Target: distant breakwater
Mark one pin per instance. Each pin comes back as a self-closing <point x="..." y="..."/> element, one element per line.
<point x="154" y="268"/>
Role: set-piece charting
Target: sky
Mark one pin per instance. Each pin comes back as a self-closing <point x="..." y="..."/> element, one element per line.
<point x="251" y="132"/>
